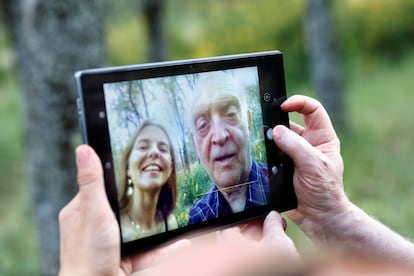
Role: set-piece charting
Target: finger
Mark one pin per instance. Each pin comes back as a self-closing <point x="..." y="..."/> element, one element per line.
<point x="296" y="128"/>
<point x="274" y="235"/>
<point x="157" y="256"/>
<point x="315" y="115"/>
<point x="176" y="246"/>
<point x="273" y="227"/>
<point x="90" y="177"/>
<point x="253" y="230"/>
<point x="144" y="260"/>
<point x="298" y="148"/>
<point x="229" y="234"/>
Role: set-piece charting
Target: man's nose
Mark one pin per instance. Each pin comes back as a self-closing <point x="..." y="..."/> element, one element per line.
<point x="219" y="131"/>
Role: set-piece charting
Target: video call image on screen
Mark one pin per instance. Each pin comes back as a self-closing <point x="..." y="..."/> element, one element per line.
<point x="181" y="141"/>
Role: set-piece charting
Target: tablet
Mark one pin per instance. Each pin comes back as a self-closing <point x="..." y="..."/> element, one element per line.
<point x="186" y="145"/>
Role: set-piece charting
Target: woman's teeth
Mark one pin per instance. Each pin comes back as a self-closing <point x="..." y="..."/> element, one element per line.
<point x="152" y="168"/>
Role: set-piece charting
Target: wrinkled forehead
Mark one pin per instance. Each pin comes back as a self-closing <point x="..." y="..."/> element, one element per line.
<point x="215" y="100"/>
<point x="215" y="90"/>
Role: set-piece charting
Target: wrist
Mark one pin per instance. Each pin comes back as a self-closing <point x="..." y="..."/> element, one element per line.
<point x="356" y="231"/>
<point x="324" y="225"/>
<point x="343" y="225"/>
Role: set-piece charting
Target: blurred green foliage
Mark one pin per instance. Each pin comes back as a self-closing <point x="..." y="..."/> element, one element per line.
<point x="191" y="187"/>
<point x="374" y="30"/>
<point x="376" y="38"/>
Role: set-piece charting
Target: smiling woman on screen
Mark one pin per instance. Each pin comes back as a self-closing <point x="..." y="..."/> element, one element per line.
<point x="148" y="187"/>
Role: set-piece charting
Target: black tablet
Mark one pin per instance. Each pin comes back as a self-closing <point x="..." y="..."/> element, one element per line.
<point x="187" y="145"/>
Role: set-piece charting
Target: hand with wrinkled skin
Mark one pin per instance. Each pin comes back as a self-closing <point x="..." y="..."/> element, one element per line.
<point x="315" y="151"/>
<point x="324" y="212"/>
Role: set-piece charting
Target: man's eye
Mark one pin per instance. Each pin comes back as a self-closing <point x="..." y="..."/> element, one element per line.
<point x="232" y="114"/>
<point x="201" y="126"/>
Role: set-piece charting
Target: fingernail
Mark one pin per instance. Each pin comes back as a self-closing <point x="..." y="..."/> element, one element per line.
<point x="278" y="132"/>
<point x="277" y="215"/>
<point x="82" y="155"/>
<point x="273" y="213"/>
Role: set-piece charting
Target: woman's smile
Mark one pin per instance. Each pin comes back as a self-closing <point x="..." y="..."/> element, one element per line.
<point x="152" y="168"/>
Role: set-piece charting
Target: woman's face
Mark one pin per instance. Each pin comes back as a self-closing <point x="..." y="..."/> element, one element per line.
<point x="149" y="164"/>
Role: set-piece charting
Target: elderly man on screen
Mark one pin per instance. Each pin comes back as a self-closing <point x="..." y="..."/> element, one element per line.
<point x="221" y="139"/>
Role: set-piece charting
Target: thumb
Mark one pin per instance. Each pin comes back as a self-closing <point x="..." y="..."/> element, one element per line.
<point x="294" y="145"/>
<point x="90" y="176"/>
<point x="273" y="227"/>
<point x="274" y="237"/>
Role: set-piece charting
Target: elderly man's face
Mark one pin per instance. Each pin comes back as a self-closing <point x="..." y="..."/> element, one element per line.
<point x="221" y="138"/>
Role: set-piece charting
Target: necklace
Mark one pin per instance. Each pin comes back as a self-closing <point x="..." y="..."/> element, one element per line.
<point x="139" y="231"/>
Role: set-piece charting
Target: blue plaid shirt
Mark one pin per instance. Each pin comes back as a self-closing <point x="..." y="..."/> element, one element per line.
<point x="214" y="205"/>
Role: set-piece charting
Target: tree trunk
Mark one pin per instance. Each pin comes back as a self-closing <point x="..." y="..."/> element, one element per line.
<point x="153" y="12"/>
<point x="323" y="51"/>
<point x="53" y="39"/>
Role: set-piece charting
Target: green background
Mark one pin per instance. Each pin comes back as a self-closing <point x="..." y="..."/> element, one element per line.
<point x="376" y="41"/>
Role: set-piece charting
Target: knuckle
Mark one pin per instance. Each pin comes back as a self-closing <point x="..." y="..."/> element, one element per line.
<point x="87" y="176"/>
